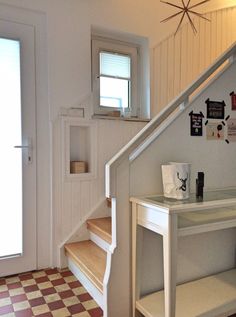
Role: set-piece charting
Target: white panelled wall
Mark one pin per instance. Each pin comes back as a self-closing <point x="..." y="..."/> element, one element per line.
<point x="74" y="199"/>
<point x="178" y="60"/>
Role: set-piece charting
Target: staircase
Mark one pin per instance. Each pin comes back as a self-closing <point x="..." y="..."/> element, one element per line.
<point x="87" y="259"/>
<point x="90" y="260"/>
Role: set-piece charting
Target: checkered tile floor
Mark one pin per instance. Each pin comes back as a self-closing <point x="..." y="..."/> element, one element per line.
<point x="47" y="293"/>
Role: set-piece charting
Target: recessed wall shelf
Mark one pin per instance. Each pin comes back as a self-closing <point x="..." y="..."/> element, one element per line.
<point x="79" y="148"/>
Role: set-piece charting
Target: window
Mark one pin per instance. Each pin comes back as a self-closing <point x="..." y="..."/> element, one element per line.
<point x="115" y="80"/>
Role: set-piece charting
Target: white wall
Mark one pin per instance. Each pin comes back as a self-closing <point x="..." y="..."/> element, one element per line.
<point x="67" y="49"/>
<point x="174" y="71"/>
<point x="68" y="36"/>
<point x="202" y="254"/>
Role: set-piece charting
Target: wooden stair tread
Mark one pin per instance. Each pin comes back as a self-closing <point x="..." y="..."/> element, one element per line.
<point x="101" y="227"/>
<point x="90" y="259"/>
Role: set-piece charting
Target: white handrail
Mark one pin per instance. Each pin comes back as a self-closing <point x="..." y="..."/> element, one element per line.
<point x="229" y="54"/>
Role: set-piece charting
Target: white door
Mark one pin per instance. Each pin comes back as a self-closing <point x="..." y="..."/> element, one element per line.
<point x="17" y="149"/>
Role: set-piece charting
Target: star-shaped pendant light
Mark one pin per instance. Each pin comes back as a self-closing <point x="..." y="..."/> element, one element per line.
<point x="186" y="9"/>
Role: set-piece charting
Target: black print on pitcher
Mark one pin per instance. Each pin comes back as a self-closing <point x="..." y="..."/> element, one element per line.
<point x="183" y="186"/>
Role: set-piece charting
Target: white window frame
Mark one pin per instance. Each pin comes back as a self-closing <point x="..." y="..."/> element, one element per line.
<point x="100" y="44"/>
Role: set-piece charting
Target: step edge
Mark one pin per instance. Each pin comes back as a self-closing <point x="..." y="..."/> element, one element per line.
<point x="79" y="260"/>
<point x="96" y="294"/>
<point x="90" y="275"/>
<point x="101" y="243"/>
<point x="99" y="231"/>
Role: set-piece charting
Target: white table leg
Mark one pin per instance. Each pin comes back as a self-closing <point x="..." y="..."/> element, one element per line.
<point x="134" y="262"/>
<point x="170" y="264"/>
<point x="137" y="242"/>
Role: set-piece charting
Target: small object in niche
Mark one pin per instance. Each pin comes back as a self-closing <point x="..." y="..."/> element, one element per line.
<point x="200" y="185"/>
<point x="78" y="167"/>
<point x="233" y="100"/>
<point x="215" y="130"/>
<point x="176" y="180"/>
<point x="231" y="126"/>
<point x="196" y="123"/>
<point x="215" y="109"/>
<point x="115" y="113"/>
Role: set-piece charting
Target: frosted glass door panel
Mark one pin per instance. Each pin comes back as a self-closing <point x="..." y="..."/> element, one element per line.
<point x="10" y="158"/>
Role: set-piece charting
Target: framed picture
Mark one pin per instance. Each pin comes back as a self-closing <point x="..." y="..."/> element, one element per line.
<point x="231" y="125"/>
<point x="215" y="130"/>
<point x="215" y="109"/>
<point x="233" y="100"/>
<point x="196" y="123"/>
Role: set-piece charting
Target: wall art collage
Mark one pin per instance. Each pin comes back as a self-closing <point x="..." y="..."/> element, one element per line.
<point x="218" y="124"/>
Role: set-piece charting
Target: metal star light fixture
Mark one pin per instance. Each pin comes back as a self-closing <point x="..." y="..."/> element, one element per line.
<point x="186" y="9"/>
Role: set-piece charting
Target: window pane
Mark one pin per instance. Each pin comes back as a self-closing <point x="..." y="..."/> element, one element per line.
<point x="114" y="92"/>
<point x="115" y="65"/>
<point x="11" y="158"/>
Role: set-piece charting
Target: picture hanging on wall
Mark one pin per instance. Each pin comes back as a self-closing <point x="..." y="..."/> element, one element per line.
<point x="196" y="123"/>
<point x="231" y="126"/>
<point x="215" y="109"/>
<point x="215" y="130"/>
<point x="233" y="100"/>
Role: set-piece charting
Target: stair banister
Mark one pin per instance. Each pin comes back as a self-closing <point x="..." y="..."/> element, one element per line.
<point x="157" y="121"/>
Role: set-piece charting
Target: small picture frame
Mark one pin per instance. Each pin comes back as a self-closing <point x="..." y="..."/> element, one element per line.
<point x="231" y="125"/>
<point x="215" y="130"/>
<point x="196" y="123"/>
<point x="233" y="100"/>
<point x="215" y="109"/>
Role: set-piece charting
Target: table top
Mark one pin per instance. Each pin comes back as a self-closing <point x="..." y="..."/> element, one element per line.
<point x="211" y="199"/>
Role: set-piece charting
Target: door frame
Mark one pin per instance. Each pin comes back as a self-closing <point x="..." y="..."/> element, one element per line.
<point x="24" y="35"/>
<point x="37" y="20"/>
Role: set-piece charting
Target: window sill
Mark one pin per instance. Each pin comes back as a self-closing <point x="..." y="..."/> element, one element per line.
<point x="130" y="119"/>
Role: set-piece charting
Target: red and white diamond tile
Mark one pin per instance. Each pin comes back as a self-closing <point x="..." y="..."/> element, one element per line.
<point x="46" y="293"/>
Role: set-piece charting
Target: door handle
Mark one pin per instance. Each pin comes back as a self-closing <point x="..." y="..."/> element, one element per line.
<point x="29" y="148"/>
<point x="22" y="146"/>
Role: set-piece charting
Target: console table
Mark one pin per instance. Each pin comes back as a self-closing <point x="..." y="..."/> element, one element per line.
<point x="172" y="218"/>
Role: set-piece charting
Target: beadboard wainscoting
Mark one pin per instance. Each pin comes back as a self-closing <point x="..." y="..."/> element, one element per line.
<point x="74" y="199"/>
<point x="178" y="60"/>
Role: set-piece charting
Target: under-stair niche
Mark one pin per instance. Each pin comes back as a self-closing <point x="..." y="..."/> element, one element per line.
<point x="79" y="149"/>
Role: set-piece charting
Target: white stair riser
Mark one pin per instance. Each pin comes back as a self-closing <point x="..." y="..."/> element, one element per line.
<point x="99" y="241"/>
<point x="87" y="284"/>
